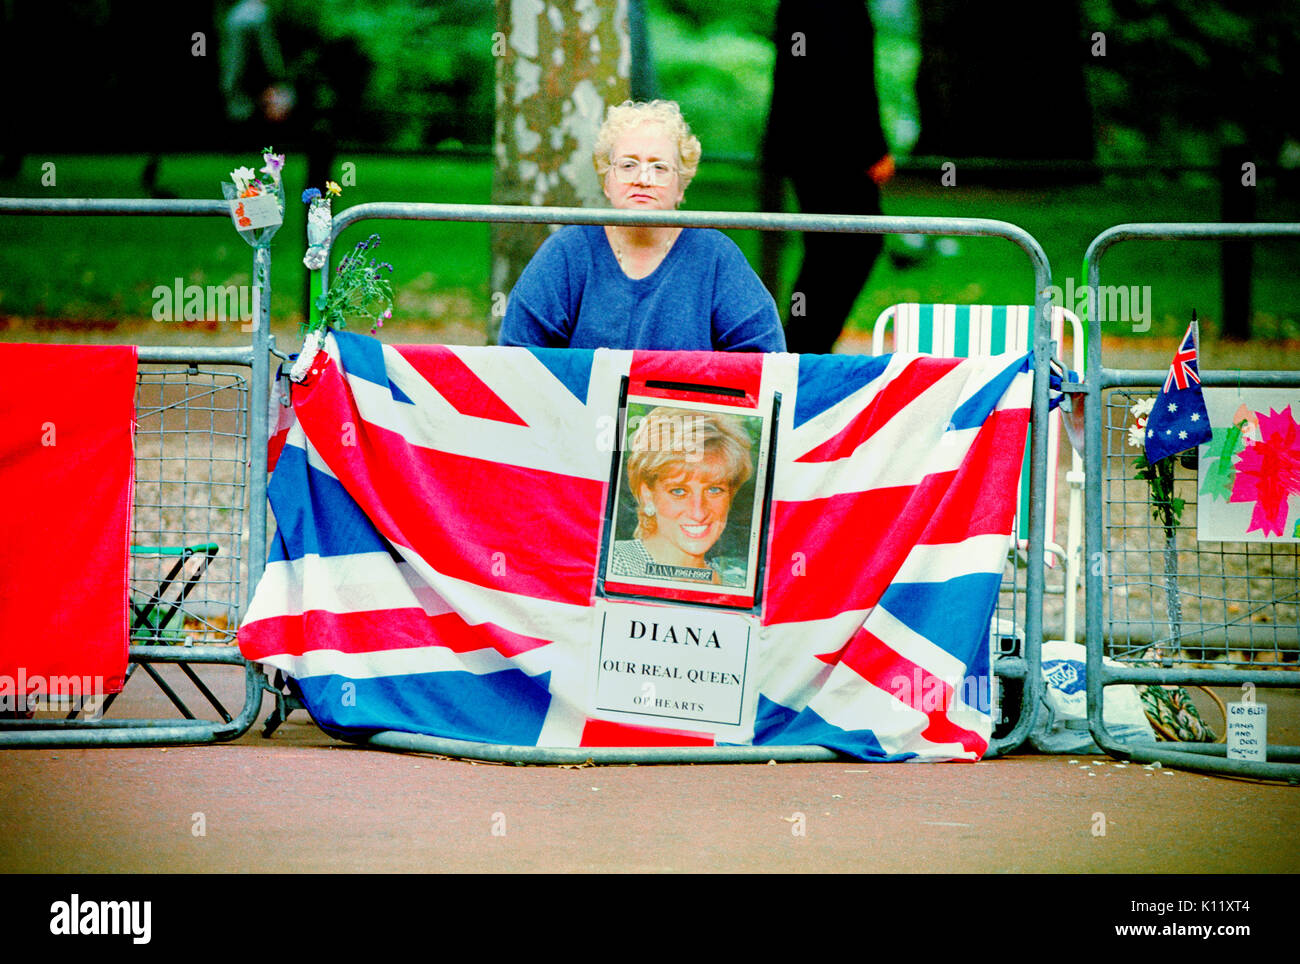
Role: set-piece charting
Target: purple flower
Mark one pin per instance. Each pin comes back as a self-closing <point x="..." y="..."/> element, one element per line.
<point x="274" y="164"/>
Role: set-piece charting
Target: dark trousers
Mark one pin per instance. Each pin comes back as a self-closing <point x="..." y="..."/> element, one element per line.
<point x="835" y="266"/>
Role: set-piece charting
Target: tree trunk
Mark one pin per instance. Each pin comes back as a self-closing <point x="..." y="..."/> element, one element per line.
<point x="559" y="63"/>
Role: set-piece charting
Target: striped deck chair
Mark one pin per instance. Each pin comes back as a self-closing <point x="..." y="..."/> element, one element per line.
<point x="961" y="331"/>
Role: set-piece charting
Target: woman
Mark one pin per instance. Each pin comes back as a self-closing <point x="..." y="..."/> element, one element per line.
<point x="684" y="470"/>
<point x="686" y="289"/>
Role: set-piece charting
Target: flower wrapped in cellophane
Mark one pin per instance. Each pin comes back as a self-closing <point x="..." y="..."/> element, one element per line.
<point x="256" y="199"/>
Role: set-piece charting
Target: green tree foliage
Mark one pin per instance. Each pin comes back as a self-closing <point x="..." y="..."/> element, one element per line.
<point x="744" y="17"/>
<point x="430" y="65"/>
<point x="722" y="79"/>
<point x="1180" y="79"/>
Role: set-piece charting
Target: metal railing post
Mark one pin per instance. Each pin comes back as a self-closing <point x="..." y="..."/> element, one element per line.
<point x="1027" y="667"/>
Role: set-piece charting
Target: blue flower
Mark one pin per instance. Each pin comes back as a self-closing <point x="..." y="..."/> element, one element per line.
<point x="310" y="195"/>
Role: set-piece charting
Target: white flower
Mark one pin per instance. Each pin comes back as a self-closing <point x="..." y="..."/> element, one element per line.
<point x="242" y="176"/>
<point x="1142" y="407"/>
<point x="1135" y="436"/>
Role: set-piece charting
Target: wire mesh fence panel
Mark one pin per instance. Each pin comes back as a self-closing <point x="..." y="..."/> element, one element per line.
<point x="189" y="571"/>
<point x="199" y="497"/>
<point x="1009" y="615"/>
<point x="1177" y="601"/>
<point x="191" y="464"/>
<point x="1007" y="638"/>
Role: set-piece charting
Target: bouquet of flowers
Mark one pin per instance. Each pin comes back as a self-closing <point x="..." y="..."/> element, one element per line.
<point x="1165" y="508"/>
<point x="360" y="288"/>
<point x="257" y="199"/>
<point x="1169" y="708"/>
<point x="1174" y="716"/>
<point x="319" y="219"/>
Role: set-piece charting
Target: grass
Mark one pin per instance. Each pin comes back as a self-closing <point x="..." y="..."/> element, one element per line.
<point x="105" y="269"/>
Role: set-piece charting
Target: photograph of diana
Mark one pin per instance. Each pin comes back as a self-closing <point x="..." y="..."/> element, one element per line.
<point x="686" y="514"/>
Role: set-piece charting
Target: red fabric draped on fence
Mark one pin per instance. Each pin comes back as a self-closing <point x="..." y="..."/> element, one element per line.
<point x="67" y="417"/>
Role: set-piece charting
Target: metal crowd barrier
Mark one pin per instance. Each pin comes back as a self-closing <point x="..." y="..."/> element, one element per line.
<point x="1165" y="600"/>
<point x="200" y="465"/>
<point x="1024" y="669"/>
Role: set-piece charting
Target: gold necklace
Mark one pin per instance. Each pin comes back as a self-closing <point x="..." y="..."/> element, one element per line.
<point x="659" y="253"/>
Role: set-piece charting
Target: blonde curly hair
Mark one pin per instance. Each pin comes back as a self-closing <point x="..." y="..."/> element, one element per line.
<point x="630" y="114"/>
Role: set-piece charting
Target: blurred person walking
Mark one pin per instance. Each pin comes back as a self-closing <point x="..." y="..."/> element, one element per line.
<point x="824" y="134"/>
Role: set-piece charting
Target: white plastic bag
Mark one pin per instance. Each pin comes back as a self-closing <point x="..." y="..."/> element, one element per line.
<point x="1062" y="724"/>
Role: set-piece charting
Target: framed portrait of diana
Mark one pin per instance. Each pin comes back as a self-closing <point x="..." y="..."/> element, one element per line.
<point x="689" y="498"/>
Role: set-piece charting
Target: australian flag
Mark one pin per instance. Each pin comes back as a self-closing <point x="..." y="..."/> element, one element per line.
<point x="1179" y="421"/>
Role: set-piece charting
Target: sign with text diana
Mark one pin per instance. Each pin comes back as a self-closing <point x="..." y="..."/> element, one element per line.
<point x="664" y="666"/>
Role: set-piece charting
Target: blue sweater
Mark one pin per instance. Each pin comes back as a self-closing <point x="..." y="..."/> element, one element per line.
<point x="704" y="296"/>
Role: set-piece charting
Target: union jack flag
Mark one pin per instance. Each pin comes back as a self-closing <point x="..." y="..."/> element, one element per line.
<point x="1183" y="370"/>
<point x="440" y="514"/>
<point x="1179" y="419"/>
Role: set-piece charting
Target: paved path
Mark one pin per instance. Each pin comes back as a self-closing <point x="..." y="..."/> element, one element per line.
<point x="300" y="802"/>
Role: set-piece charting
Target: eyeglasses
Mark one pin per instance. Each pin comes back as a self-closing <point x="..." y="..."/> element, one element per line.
<point x="655" y="173"/>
